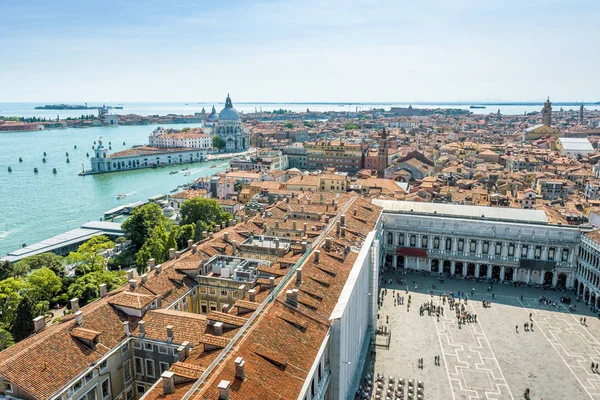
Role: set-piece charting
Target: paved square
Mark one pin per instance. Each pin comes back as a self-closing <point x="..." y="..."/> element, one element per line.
<point x="489" y="359"/>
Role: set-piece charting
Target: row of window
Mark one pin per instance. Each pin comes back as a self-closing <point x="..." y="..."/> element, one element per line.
<point x="146" y="367"/>
<point x="222" y="292"/>
<point x="447" y="245"/>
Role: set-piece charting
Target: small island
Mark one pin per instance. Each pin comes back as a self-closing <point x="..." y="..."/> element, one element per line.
<point x="74" y="107"/>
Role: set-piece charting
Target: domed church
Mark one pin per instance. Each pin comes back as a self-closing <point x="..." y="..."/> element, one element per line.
<point x="229" y="128"/>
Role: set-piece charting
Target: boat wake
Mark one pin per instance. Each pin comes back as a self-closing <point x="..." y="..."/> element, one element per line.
<point x="4" y="234"/>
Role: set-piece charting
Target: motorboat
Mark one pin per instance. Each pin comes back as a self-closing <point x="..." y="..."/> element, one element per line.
<point x="121" y="196"/>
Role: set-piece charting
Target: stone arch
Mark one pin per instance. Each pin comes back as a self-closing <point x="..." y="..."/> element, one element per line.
<point x="400" y="262"/>
<point x="389" y="261"/>
<point x="508" y="273"/>
<point x="496" y="272"/>
<point x="447" y="267"/>
<point x="435" y="265"/>
<point x="458" y="268"/>
<point x="548" y="277"/>
<point x="483" y="271"/>
<point x="561" y="280"/>
<point x="470" y="269"/>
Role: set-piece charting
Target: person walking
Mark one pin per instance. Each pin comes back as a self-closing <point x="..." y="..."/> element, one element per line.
<point x="517" y="328"/>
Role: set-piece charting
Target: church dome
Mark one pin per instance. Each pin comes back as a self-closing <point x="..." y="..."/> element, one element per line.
<point x="229" y="113"/>
<point x="212" y="117"/>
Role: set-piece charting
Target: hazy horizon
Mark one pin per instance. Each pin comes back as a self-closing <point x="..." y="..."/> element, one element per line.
<point x="299" y="51"/>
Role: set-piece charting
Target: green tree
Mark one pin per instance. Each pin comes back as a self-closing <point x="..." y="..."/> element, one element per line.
<point x="88" y="256"/>
<point x="218" y="143"/>
<point x="201" y="210"/>
<point x="138" y="227"/>
<point x="21" y="268"/>
<point x="6" y="339"/>
<point x="183" y="234"/>
<point x="43" y="284"/>
<point x="308" y="124"/>
<point x="48" y="260"/>
<point x="155" y="247"/>
<point x="86" y="288"/>
<point x="6" y="270"/>
<point x="289" y="125"/>
<point x="349" y="126"/>
<point x="10" y="297"/>
<point x="124" y="259"/>
<point x="186" y="129"/>
<point x="22" y="325"/>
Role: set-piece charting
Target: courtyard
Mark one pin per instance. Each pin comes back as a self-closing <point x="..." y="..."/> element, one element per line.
<point x="490" y="358"/>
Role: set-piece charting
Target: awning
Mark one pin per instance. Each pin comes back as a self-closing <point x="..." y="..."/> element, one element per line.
<point x="411" y="252"/>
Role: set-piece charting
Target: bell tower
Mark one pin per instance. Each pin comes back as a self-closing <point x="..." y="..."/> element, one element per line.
<point x="382" y="153"/>
<point x="547" y="113"/>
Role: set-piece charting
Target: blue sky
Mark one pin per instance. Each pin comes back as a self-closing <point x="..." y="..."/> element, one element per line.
<point x="309" y="50"/>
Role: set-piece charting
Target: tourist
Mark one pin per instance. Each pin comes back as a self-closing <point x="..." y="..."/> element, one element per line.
<point x="584" y="321"/>
<point x="530" y="316"/>
<point x="517" y="328"/>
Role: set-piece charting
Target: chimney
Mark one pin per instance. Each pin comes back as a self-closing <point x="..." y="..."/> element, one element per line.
<point x="142" y="328"/>
<point x="210" y="235"/>
<point x="276" y="224"/>
<point x="317" y="256"/>
<point x="151" y="264"/>
<point x="204" y="234"/>
<point x="234" y="245"/>
<point x="293" y="225"/>
<point x="74" y="305"/>
<point x="225" y="308"/>
<point x="224" y="390"/>
<point x="190" y="244"/>
<point x="158" y="269"/>
<point x="78" y="318"/>
<point x="144" y="278"/>
<point x="354" y="212"/>
<point x="239" y="368"/>
<point x="226" y="236"/>
<point x="327" y="243"/>
<point x="231" y="222"/>
<point x="177" y="254"/>
<point x="304" y="244"/>
<point x="292" y="297"/>
<point x="271" y="282"/>
<point x="218" y="329"/>
<point x="343" y="231"/>
<point x="299" y="276"/>
<point x="252" y="295"/>
<point x="39" y="324"/>
<point x="194" y="248"/>
<point x="223" y="225"/>
<point x="181" y="352"/>
<point x="132" y="284"/>
<point x="343" y="218"/>
<point x="338" y="228"/>
<point x="171" y="253"/>
<point x="335" y="206"/>
<point x="276" y="244"/>
<point x="170" y="333"/>
<point x="126" y="328"/>
<point x="168" y="380"/>
<point x="130" y="274"/>
<point x="102" y="288"/>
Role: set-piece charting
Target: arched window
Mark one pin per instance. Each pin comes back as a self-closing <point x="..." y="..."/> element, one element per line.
<point x="390" y="238"/>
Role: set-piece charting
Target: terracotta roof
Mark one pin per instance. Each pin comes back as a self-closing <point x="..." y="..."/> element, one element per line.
<point x="131" y="300"/>
<point x="186" y="370"/>
<point x="226" y="318"/>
